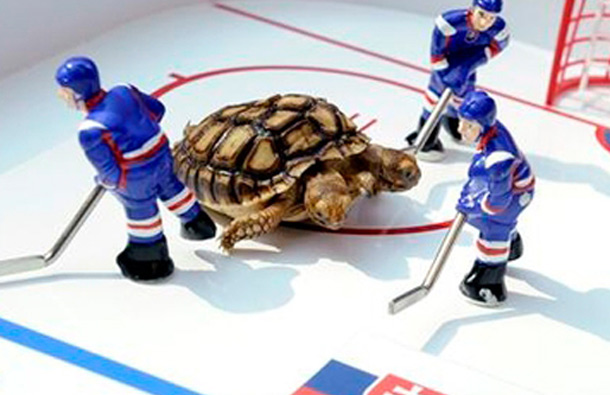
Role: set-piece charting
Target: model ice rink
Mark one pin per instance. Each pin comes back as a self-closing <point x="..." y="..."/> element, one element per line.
<point x="268" y="317"/>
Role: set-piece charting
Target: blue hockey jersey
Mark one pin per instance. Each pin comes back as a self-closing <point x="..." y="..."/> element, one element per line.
<point x="498" y="174"/>
<point x="122" y="131"/>
<point x="455" y="42"/>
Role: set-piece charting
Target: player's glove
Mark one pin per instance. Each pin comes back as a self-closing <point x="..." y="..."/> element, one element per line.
<point x="107" y="184"/>
<point x="470" y="201"/>
<point x="462" y="66"/>
<point x="468" y="206"/>
<point x="455" y="78"/>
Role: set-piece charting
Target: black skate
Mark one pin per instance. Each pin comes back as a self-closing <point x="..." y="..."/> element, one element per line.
<point x="146" y="262"/>
<point x="516" y="248"/>
<point x="200" y="228"/>
<point x="484" y="285"/>
<point x="433" y="150"/>
<point x="451" y="125"/>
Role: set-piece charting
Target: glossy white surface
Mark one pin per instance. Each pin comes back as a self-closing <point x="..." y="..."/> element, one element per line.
<point x="263" y="320"/>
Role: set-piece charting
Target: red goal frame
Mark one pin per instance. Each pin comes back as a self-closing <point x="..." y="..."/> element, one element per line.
<point x="565" y="63"/>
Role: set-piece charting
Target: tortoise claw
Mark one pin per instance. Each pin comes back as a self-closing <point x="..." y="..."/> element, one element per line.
<point x="227" y="243"/>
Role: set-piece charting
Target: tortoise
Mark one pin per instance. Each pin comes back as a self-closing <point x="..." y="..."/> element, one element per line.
<point x="288" y="157"/>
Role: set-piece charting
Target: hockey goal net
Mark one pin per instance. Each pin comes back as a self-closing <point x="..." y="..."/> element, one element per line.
<point x="582" y="55"/>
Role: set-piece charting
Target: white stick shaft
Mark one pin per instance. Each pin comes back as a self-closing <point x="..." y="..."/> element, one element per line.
<point x="75" y="224"/>
<point x="35" y="262"/>
<point x="432" y="120"/>
<point x="443" y="252"/>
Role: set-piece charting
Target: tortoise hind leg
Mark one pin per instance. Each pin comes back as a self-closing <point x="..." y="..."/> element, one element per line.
<point x="256" y="224"/>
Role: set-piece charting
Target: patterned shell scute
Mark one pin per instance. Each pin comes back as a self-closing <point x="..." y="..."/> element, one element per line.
<point x="250" y="152"/>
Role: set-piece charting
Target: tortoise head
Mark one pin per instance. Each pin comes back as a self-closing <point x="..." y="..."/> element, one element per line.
<point x="398" y="171"/>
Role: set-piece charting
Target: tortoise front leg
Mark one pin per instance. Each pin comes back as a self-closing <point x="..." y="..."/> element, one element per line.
<point x="256" y="224"/>
<point x="363" y="183"/>
<point x="328" y="198"/>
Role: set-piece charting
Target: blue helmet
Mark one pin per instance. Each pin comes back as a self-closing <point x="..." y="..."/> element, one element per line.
<point x="480" y="107"/>
<point x="79" y="74"/>
<point x="494" y="6"/>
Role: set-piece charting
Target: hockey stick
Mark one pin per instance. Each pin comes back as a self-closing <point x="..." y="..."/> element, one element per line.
<point x="416" y="294"/>
<point x="430" y="123"/>
<point x="35" y="262"/>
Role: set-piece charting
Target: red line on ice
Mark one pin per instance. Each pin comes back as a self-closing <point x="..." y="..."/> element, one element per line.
<point x="319" y="37"/>
<point x="374" y="231"/>
<point x="368" y="125"/>
<point x="176" y="76"/>
<point x="231" y="70"/>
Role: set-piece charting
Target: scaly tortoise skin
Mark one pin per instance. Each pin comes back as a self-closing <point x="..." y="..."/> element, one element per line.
<point x="285" y="158"/>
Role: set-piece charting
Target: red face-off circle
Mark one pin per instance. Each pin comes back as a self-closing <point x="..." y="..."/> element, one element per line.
<point x="180" y="80"/>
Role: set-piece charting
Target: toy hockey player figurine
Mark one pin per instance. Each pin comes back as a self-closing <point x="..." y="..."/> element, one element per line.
<point x="500" y="187"/>
<point x="462" y="41"/>
<point x="122" y="139"/>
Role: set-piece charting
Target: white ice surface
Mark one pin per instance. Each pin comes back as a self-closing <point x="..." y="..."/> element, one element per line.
<point x="263" y="320"/>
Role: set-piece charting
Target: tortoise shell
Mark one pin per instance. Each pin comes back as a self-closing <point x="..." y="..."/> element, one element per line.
<point x="248" y="153"/>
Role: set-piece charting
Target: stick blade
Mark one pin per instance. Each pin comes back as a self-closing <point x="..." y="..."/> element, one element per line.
<point x="23" y="264"/>
<point x="407" y="299"/>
